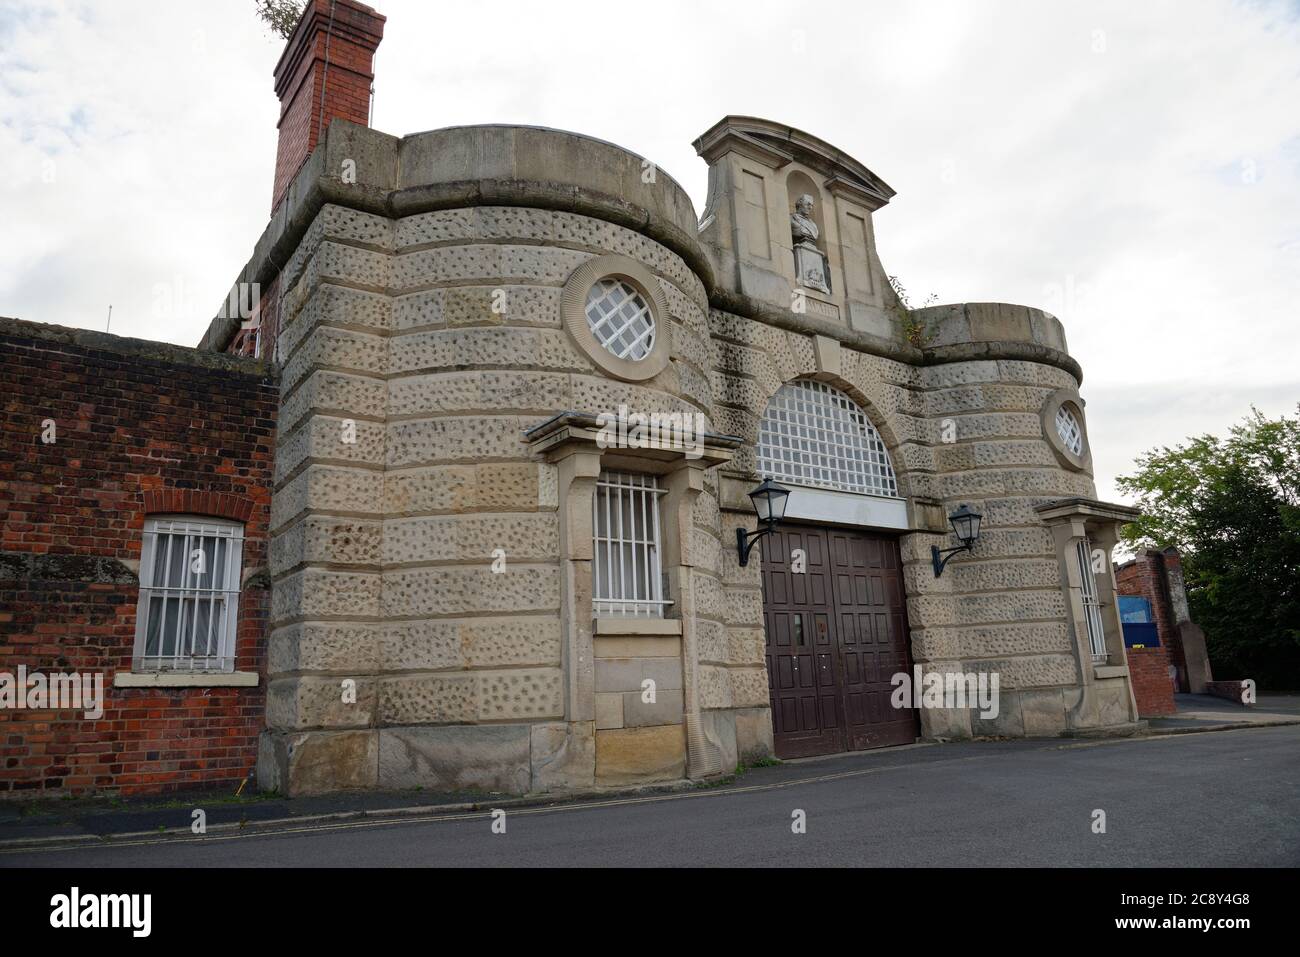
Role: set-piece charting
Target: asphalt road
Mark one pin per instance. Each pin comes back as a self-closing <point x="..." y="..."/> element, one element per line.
<point x="1218" y="799"/>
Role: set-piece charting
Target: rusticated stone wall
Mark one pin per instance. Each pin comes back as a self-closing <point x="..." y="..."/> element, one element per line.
<point x="1000" y="609"/>
<point x="435" y="341"/>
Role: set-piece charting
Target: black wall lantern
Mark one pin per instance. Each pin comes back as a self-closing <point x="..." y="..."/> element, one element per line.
<point x="966" y="526"/>
<point x="769" y="505"/>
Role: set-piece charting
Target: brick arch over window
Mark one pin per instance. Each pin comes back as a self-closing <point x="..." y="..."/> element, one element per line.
<point x="187" y="501"/>
<point x="815" y="434"/>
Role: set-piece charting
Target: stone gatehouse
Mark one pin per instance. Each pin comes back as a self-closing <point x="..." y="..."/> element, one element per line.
<point x="477" y="583"/>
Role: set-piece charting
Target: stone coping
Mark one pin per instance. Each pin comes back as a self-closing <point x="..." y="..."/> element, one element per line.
<point x="465" y="166"/>
<point x="167" y="352"/>
<point x="543" y="168"/>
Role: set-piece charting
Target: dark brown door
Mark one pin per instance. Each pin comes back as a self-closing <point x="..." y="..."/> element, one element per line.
<point x="835" y="635"/>
<point x="871" y="626"/>
<point x="801" y="656"/>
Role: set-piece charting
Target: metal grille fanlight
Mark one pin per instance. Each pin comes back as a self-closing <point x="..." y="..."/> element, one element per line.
<point x="1068" y="428"/>
<point x="620" y="319"/>
<point x="814" y="434"/>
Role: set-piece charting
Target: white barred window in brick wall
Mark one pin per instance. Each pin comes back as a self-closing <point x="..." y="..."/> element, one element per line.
<point x="814" y="434"/>
<point x="189" y="595"/>
<point x="627" y="575"/>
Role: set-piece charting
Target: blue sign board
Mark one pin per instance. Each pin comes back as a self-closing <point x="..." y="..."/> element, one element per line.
<point x="1134" y="608"/>
<point x="1139" y="626"/>
<point x="1140" y="634"/>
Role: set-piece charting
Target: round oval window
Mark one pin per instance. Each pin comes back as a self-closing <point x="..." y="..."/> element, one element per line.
<point x="620" y="319"/>
<point x="1068" y="428"/>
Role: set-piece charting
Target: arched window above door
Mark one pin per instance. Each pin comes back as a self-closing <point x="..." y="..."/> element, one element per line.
<point x="815" y="435"/>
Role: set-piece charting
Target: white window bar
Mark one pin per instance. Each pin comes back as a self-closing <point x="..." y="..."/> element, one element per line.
<point x="814" y="434"/>
<point x="620" y="319"/>
<point x="627" y="579"/>
<point x="187" y="616"/>
<point x="1067" y="427"/>
<point x="1091" y="604"/>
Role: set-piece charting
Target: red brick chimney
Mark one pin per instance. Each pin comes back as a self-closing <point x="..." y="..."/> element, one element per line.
<point x="325" y="72"/>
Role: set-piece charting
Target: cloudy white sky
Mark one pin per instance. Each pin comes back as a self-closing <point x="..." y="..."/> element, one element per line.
<point x="1133" y="168"/>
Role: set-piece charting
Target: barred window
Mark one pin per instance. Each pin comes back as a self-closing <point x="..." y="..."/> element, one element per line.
<point x="814" y="434"/>
<point x="627" y="579"/>
<point x="1091" y="604"/>
<point x="189" y="594"/>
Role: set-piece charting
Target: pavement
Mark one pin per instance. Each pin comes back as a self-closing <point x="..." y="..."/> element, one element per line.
<point x="1223" y="798"/>
<point x="1203" y="712"/>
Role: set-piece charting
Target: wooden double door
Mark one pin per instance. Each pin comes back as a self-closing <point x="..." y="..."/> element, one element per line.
<point x="836" y="633"/>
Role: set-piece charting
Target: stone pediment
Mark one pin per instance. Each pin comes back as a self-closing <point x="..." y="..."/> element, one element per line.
<point x="776" y="145"/>
<point x="789" y="224"/>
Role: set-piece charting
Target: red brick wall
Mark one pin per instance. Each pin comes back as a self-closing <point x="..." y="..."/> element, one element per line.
<point x="141" y="427"/>
<point x="333" y="50"/>
<point x="1153" y="688"/>
<point x="259" y="343"/>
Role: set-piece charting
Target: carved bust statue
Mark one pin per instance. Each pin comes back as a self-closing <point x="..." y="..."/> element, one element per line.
<point x="802" y="227"/>
<point x="810" y="265"/>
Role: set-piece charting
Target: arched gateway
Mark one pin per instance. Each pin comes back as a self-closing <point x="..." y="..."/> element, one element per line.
<point x="834" y="613"/>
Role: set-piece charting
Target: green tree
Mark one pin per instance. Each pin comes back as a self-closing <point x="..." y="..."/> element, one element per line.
<point x="1232" y="507"/>
<point x="280" y="15"/>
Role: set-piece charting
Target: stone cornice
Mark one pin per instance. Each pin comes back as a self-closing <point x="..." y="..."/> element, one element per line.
<point x="583" y="431"/>
<point x="1003" y="349"/>
<point x="778" y="139"/>
<point x="854" y="191"/>
<point x="1086" y="509"/>
<point x="719" y="141"/>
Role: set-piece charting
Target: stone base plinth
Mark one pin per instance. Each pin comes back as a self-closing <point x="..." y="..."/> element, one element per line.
<point x="490" y="758"/>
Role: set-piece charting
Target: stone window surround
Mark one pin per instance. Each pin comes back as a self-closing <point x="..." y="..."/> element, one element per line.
<point x="829" y="424"/>
<point x="1067" y="397"/>
<point x="573" y="310"/>
<point x="1071" y="521"/>
<point x="619" y="583"/>
<point x="571" y="442"/>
